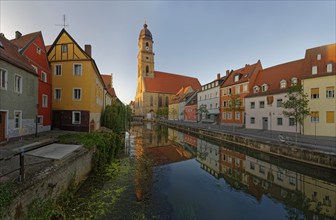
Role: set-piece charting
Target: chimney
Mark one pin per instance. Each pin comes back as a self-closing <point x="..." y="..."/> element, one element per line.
<point x="227" y="72"/>
<point x="218" y="75"/>
<point x="17" y="34"/>
<point x="87" y="48"/>
<point x="111" y="80"/>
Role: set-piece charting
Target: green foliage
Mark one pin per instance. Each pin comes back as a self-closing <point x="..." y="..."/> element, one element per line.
<point x="43" y="210"/>
<point x="6" y="195"/>
<point x="162" y="112"/>
<point x="297" y="104"/>
<point x="235" y="103"/>
<point x="107" y="144"/>
<point x="116" y="117"/>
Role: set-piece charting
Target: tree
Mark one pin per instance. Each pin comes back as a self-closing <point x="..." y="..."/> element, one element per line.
<point x="202" y="110"/>
<point x="297" y="105"/>
<point x="116" y="117"/>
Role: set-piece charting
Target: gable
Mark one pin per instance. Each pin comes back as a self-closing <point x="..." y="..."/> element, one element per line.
<point x="73" y="51"/>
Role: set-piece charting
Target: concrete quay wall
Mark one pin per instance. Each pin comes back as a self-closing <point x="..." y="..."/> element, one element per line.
<point x="51" y="182"/>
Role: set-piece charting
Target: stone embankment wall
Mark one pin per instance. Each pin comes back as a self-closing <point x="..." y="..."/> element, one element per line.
<point x="304" y="155"/>
<point x="51" y="182"/>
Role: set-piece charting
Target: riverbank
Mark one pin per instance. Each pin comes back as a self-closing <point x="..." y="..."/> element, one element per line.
<point x="52" y="177"/>
<point x="299" y="149"/>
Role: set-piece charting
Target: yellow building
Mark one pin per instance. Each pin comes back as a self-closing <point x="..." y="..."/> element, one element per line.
<point x="155" y="89"/>
<point x="320" y="87"/>
<point x="77" y="86"/>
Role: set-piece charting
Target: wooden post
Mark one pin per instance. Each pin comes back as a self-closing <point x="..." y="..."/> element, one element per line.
<point x="22" y="167"/>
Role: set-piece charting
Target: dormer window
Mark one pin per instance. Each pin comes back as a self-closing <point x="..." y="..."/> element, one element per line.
<point x="283" y="84"/>
<point x="329" y="67"/>
<point x="264" y="87"/>
<point x="294" y="81"/>
<point x="255" y="89"/>
<point x="318" y="56"/>
<point x="236" y="78"/>
<point x="38" y="50"/>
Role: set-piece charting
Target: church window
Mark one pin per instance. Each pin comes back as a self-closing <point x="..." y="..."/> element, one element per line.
<point x="160" y="102"/>
<point x="151" y="101"/>
<point x="147" y="70"/>
<point x="167" y="101"/>
<point x="147" y="45"/>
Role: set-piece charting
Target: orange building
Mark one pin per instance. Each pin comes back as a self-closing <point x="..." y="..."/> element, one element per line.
<point x="233" y="91"/>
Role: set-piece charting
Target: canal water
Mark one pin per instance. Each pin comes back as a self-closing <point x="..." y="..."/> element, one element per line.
<point x="167" y="174"/>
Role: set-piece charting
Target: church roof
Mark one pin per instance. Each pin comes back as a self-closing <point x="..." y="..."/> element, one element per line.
<point x="170" y="83"/>
<point x="145" y="33"/>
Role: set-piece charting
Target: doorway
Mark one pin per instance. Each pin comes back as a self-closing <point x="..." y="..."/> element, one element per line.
<point x="2" y="126"/>
<point x="265" y="123"/>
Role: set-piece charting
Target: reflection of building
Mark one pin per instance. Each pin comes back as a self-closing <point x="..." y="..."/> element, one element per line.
<point x="208" y="155"/>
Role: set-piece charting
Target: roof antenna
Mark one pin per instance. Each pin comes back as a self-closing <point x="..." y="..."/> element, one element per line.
<point x="64" y="25"/>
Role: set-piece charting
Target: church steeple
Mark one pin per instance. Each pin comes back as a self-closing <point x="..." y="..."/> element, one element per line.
<point x="145" y="55"/>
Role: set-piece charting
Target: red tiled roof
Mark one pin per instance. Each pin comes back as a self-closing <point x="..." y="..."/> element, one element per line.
<point x="48" y="48"/>
<point x="167" y="154"/>
<point x="107" y="79"/>
<point x="245" y="74"/>
<point x="273" y="75"/>
<point x="24" y="40"/>
<point x="9" y="53"/>
<point x="170" y="83"/>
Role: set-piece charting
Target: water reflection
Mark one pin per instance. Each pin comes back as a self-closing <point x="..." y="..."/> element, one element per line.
<point x="302" y="195"/>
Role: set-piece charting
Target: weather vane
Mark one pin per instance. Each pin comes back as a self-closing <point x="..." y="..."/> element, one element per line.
<point x="64" y="25"/>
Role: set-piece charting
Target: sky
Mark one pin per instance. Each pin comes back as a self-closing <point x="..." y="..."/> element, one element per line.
<point x="193" y="38"/>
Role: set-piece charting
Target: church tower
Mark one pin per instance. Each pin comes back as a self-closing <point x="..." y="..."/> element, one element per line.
<point x="145" y="55"/>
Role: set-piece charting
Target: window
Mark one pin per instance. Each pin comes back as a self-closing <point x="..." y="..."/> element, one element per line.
<point x="245" y="88"/>
<point x="237" y="116"/>
<point x="151" y="101"/>
<point x="229" y="115"/>
<point x="283" y="84"/>
<point x="224" y="115"/>
<point x="210" y="106"/>
<point x="147" y="58"/>
<point x="294" y="81"/>
<point x="252" y="105"/>
<point x="291" y="121"/>
<point x="147" y="70"/>
<point x="3" y="79"/>
<point x="330" y="92"/>
<point x="17" y="119"/>
<point x="64" y="48"/>
<point x="291" y="180"/>
<point x="230" y="91"/>
<point x="77" y="93"/>
<point x="261" y="169"/>
<point x="314" y="70"/>
<point x="315" y="117"/>
<point x="314" y="93"/>
<point x="44" y="77"/>
<point x="261" y="104"/>
<point x="280" y="176"/>
<point x="39" y="120"/>
<point x="279" y="121"/>
<point x="264" y="87"/>
<point x="224" y="92"/>
<point x="255" y="89"/>
<point x="58" y="69"/>
<point x="237" y="89"/>
<point x="252" y="166"/>
<point x="330" y="117"/>
<point x="77" y="71"/>
<point x="318" y="57"/>
<point x="230" y="103"/>
<point x="279" y="103"/>
<point x="35" y="69"/>
<point x="224" y="104"/>
<point x="38" y="50"/>
<point x="76" y="117"/>
<point x="18" y="83"/>
<point x="236" y="78"/>
<point x="237" y="103"/>
<point x="58" y="94"/>
<point x="44" y="101"/>
<point x="329" y="67"/>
